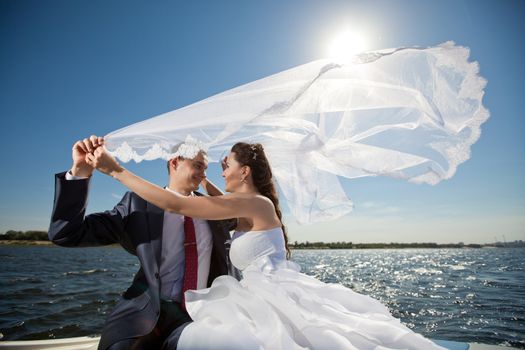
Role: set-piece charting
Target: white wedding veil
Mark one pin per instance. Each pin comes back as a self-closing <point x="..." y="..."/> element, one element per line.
<point x="408" y="113"/>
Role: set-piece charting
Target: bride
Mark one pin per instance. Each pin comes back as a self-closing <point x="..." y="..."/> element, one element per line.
<point x="274" y="306"/>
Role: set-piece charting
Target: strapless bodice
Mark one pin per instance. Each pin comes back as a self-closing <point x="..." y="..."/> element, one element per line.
<point x="249" y="247"/>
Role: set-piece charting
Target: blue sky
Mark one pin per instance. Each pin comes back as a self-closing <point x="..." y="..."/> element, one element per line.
<point x="69" y="69"/>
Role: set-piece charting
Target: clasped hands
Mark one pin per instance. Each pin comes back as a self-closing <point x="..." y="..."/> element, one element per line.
<point x="89" y="154"/>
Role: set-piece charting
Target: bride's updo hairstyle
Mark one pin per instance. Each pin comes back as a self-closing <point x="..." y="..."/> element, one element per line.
<point x="253" y="155"/>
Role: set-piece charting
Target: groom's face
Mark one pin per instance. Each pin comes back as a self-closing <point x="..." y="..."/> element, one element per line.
<point x="190" y="172"/>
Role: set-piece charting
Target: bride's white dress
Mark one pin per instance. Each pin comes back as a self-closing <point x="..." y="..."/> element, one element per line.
<point x="276" y="307"/>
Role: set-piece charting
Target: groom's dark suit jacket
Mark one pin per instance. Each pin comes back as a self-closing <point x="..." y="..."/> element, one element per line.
<point x="137" y="226"/>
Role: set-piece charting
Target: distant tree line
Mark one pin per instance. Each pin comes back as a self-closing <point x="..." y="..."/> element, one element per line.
<point x="24" y="236"/>
<point x="350" y="245"/>
<point x="12" y="235"/>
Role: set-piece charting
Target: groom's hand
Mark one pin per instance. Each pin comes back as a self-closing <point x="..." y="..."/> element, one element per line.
<point x="81" y="149"/>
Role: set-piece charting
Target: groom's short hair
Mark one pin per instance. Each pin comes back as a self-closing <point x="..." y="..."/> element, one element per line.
<point x="175" y="148"/>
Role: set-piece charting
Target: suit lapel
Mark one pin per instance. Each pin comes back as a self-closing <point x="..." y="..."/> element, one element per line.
<point x="155" y="221"/>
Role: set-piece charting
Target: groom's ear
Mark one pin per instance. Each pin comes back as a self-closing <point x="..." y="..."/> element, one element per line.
<point x="172" y="164"/>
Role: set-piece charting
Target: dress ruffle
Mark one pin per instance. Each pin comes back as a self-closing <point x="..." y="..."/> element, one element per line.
<point x="276" y="307"/>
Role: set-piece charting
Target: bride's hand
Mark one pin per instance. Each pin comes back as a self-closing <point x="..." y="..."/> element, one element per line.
<point x="104" y="162"/>
<point x="79" y="154"/>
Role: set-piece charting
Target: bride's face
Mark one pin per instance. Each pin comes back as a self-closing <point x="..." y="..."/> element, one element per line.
<point x="232" y="173"/>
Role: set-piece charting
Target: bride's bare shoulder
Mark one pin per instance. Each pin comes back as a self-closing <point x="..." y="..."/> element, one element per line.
<point x="253" y="198"/>
<point x="264" y="203"/>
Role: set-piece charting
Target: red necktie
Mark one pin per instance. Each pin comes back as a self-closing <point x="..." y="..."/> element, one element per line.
<point x="191" y="258"/>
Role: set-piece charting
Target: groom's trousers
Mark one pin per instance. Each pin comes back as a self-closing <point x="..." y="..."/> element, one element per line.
<point x="165" y="334"/>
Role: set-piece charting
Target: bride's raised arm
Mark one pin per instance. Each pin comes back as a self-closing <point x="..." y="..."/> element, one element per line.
<point x="211" y="208"/>
<point x="211" y="188"/>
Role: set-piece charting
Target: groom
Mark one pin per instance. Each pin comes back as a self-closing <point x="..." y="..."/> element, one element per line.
<point x="175" y="253"/>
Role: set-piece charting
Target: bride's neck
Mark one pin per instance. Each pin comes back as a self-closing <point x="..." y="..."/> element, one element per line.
<point x="247" y="188"/>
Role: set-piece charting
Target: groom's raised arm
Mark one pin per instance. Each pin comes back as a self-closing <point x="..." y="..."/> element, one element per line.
<point x="69" y="226"/>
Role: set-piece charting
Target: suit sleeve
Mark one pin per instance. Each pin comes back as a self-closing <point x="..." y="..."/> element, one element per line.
<point x="70" y="227"/>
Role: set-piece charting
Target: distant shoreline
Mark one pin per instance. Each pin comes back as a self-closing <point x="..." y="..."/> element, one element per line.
<point x="24" y="242"/>
<point x="325" y="246"/>
<point x="40" y="238"/>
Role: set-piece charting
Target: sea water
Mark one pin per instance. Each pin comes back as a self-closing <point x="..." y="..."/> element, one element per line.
<point x="467" y="295"/>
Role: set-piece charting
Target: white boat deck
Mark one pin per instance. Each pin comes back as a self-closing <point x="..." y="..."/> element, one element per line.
<point x="91" y="343"/>
<point x="77" y="343"/>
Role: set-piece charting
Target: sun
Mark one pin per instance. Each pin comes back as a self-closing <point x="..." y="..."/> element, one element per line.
<point x="346" y="45"/>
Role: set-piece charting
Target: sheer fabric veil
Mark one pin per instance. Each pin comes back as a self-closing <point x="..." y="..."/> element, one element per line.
<point x="408" y="113"/>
